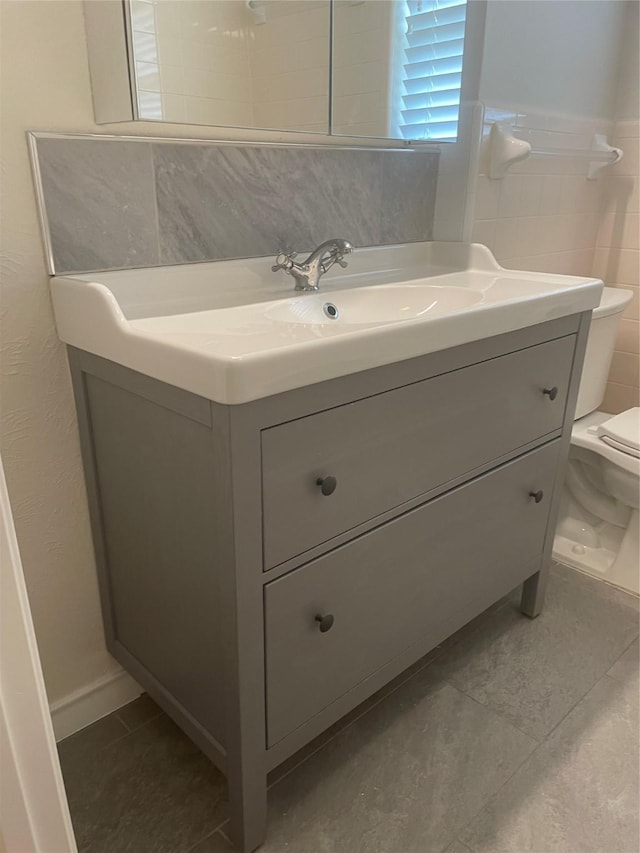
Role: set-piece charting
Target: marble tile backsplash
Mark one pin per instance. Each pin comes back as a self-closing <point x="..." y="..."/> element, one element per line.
<point x="114" y="203"/>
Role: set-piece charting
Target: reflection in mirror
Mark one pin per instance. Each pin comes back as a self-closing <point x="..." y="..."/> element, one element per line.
<point x="397" y="68"/>
<point x="235" y="63"/>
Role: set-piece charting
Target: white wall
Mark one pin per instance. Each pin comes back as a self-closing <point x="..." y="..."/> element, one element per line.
<point x="628" y="84"/>
<point x="45" y="86"/>
<point x="553" y="56"/>
<point x="617" y="263"/>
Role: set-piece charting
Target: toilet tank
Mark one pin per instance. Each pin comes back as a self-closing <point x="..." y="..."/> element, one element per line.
<point x="600" y="345"/>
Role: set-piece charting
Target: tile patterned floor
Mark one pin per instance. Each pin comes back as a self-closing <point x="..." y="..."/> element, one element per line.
<point x="515" y="736"/>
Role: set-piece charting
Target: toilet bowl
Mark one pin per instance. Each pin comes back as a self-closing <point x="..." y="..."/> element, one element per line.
<point x="598" y="523"/>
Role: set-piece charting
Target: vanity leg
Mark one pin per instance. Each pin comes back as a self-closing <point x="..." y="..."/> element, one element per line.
<point x="533" y="593"/>
<point x="248" y="803"/>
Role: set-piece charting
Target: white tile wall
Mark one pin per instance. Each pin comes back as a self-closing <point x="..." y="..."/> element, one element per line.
<point x="361" y="61"/>
<point x="545" y="216"/>
<point x="289" y="62"/>
<point x="197" y="55"/>
<point x="617" y="261"/>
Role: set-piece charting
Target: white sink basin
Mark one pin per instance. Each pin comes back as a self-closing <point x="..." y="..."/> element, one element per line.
<point x="383" y="303"/>
<point x="233" y="331"/>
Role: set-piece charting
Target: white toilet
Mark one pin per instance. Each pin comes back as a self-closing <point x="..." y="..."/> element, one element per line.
<point x="598" y="522"/>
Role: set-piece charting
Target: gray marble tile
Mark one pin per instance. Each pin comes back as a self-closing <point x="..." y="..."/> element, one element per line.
<point x="404" y="778"/>
<point x="578" y="791"/>
<point x="152" y="791"/>
<point x="408" y="196"/>
<point x="138" y="712"/>
<point x="219" y="202"/>
<point x="627" y="667"/>
<point x="534" y="671"/>
<point x="100" y="203"/>
<point x="84" y="744"/>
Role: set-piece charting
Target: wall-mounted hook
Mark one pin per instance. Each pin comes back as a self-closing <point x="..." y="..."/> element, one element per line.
<point x="505" y="150"/>
<point x="600" y="145"/>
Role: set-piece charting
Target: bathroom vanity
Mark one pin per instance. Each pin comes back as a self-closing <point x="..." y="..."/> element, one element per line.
<point x="272" y="551"/>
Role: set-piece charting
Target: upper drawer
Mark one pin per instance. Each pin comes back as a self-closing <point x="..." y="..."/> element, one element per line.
<point x="387" y="449"/>
<point x="416" y="579"/>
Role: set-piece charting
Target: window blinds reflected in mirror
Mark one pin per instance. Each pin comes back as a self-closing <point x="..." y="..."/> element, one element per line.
<point x="397" y="68"/>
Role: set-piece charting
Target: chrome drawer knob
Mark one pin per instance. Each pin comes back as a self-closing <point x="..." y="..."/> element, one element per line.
<point x="325" y="622"/>
<point x="551" y="393"/>
<point x="327" y="485"/>
<point x="537" y="496"/>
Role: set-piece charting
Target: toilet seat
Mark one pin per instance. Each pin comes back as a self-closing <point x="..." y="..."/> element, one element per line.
<point x="623" y="432"/>
<point x="585" y="433"/>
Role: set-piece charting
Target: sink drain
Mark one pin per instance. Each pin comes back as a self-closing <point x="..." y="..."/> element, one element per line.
<point x="331" y="310"/>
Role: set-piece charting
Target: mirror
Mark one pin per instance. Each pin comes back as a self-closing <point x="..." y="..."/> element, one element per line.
<point x="392" y="69"/>
<point x="397" y="68"/>
<point x="236" y="63"/>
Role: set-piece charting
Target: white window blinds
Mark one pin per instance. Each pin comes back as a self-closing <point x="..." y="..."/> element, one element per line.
<point x="432" y="69"/>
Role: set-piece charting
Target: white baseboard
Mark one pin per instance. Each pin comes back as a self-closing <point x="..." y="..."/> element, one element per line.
<point x="91" y="703"/>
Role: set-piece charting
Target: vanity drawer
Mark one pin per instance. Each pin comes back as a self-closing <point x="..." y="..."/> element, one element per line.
<point x="395" y="446"/>
<point x="416" y="579"/>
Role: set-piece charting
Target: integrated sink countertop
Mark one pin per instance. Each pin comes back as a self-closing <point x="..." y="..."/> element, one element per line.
<point x="233" y="331"/>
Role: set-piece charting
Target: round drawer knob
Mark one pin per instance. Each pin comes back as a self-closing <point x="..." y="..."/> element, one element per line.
<point x="537" y="496"/>
<point x="327" y="485"/>
<point x="325" y="622"/>
<point x="551" y="393"/>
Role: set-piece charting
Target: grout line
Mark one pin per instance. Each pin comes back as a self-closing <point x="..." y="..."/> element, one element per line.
<point x="216" y="831"/>
<point x="498" y="713"/>
<point x="120" y="720"/>
<point x="460" y="843"/>
<point x="365" y="711"/>
<point x="125" y="734"/>
<point x="141" y="725"/>
<point x="635" y="640"/>
<point x="497" y="793"/>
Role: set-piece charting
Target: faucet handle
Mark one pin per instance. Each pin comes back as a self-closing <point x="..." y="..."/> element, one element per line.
<point x="284" y="261"/>
<point x="336" y="256"/>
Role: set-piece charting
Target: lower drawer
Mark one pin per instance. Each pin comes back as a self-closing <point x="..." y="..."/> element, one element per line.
<point x="405" y="582"/>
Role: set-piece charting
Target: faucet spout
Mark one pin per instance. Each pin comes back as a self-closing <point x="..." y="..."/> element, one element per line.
<point x="307" y="275"/>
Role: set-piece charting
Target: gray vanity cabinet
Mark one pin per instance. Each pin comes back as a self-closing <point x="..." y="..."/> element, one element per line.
<point x="266" y="567"/>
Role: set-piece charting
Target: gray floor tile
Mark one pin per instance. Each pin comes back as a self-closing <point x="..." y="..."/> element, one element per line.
<point x="405" y="778"/>
<point x="605" y="590"/>
<point x="627" y="667"/>
<point x="578" y="793"/>
<point x="84" y="744"/>
<point x="534" y="671"/>
<point x="138" y="712"/>
<point x="215" y="843"/>
<point x="457" y="847"/>
<point x="152" y="791"/>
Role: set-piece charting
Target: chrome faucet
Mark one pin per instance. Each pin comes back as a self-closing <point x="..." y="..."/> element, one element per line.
<point x="307" y="275"/>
